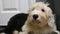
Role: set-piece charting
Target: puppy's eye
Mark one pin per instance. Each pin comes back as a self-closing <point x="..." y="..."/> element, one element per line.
<point x="42" y="10"/>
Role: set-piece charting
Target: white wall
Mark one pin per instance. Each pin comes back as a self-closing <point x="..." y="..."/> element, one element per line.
<point x="5" y="17"/>
<point x="22" y="6"/>
<point x="0" y="5"/>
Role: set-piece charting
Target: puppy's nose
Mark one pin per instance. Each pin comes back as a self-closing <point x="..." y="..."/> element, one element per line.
<point x="35" y="16"/>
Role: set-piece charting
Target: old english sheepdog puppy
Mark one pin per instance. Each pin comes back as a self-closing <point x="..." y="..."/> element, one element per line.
<point x="40" y="20"/>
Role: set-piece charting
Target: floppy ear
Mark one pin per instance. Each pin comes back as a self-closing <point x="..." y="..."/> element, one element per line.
<point x="31" y="9"/>
<point x="51" y="19"/>
<point x="51" y="22"/>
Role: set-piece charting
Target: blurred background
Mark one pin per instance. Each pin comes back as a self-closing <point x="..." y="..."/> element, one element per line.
<point x="8" y="8"/>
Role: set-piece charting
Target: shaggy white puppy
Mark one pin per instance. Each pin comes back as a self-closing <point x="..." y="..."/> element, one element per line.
<point x="40" y="20"/>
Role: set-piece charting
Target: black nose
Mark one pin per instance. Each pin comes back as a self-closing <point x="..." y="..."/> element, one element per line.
<point x="35" y="16"/>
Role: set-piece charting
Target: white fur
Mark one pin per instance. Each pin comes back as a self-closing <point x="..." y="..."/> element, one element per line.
<point x="36" y="9"/>
<point x="15" y="32"/>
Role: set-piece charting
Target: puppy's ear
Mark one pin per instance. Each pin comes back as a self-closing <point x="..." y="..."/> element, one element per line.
<point x="51" y="19"/>
<point x="31" y="9"/>
<point x="51" y="22"/>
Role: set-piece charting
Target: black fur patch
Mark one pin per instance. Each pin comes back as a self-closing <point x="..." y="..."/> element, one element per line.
<point x="15" y="23"/>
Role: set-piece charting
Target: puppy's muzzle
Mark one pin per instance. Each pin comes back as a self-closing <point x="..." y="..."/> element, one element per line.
<point x="35" y="16"/>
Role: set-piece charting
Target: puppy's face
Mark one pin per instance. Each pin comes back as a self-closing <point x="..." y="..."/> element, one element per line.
<point x="39" y="14"/>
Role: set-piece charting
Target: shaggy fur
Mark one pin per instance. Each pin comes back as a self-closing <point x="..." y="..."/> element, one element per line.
<point x="44" y="24"/>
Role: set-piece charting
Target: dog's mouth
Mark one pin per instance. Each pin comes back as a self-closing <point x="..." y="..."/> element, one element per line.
<point x="37" y="21"/>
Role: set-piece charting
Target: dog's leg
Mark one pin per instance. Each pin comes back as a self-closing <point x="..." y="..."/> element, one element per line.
<point x="57" y="32"/>
<point x="15" y="32"/>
